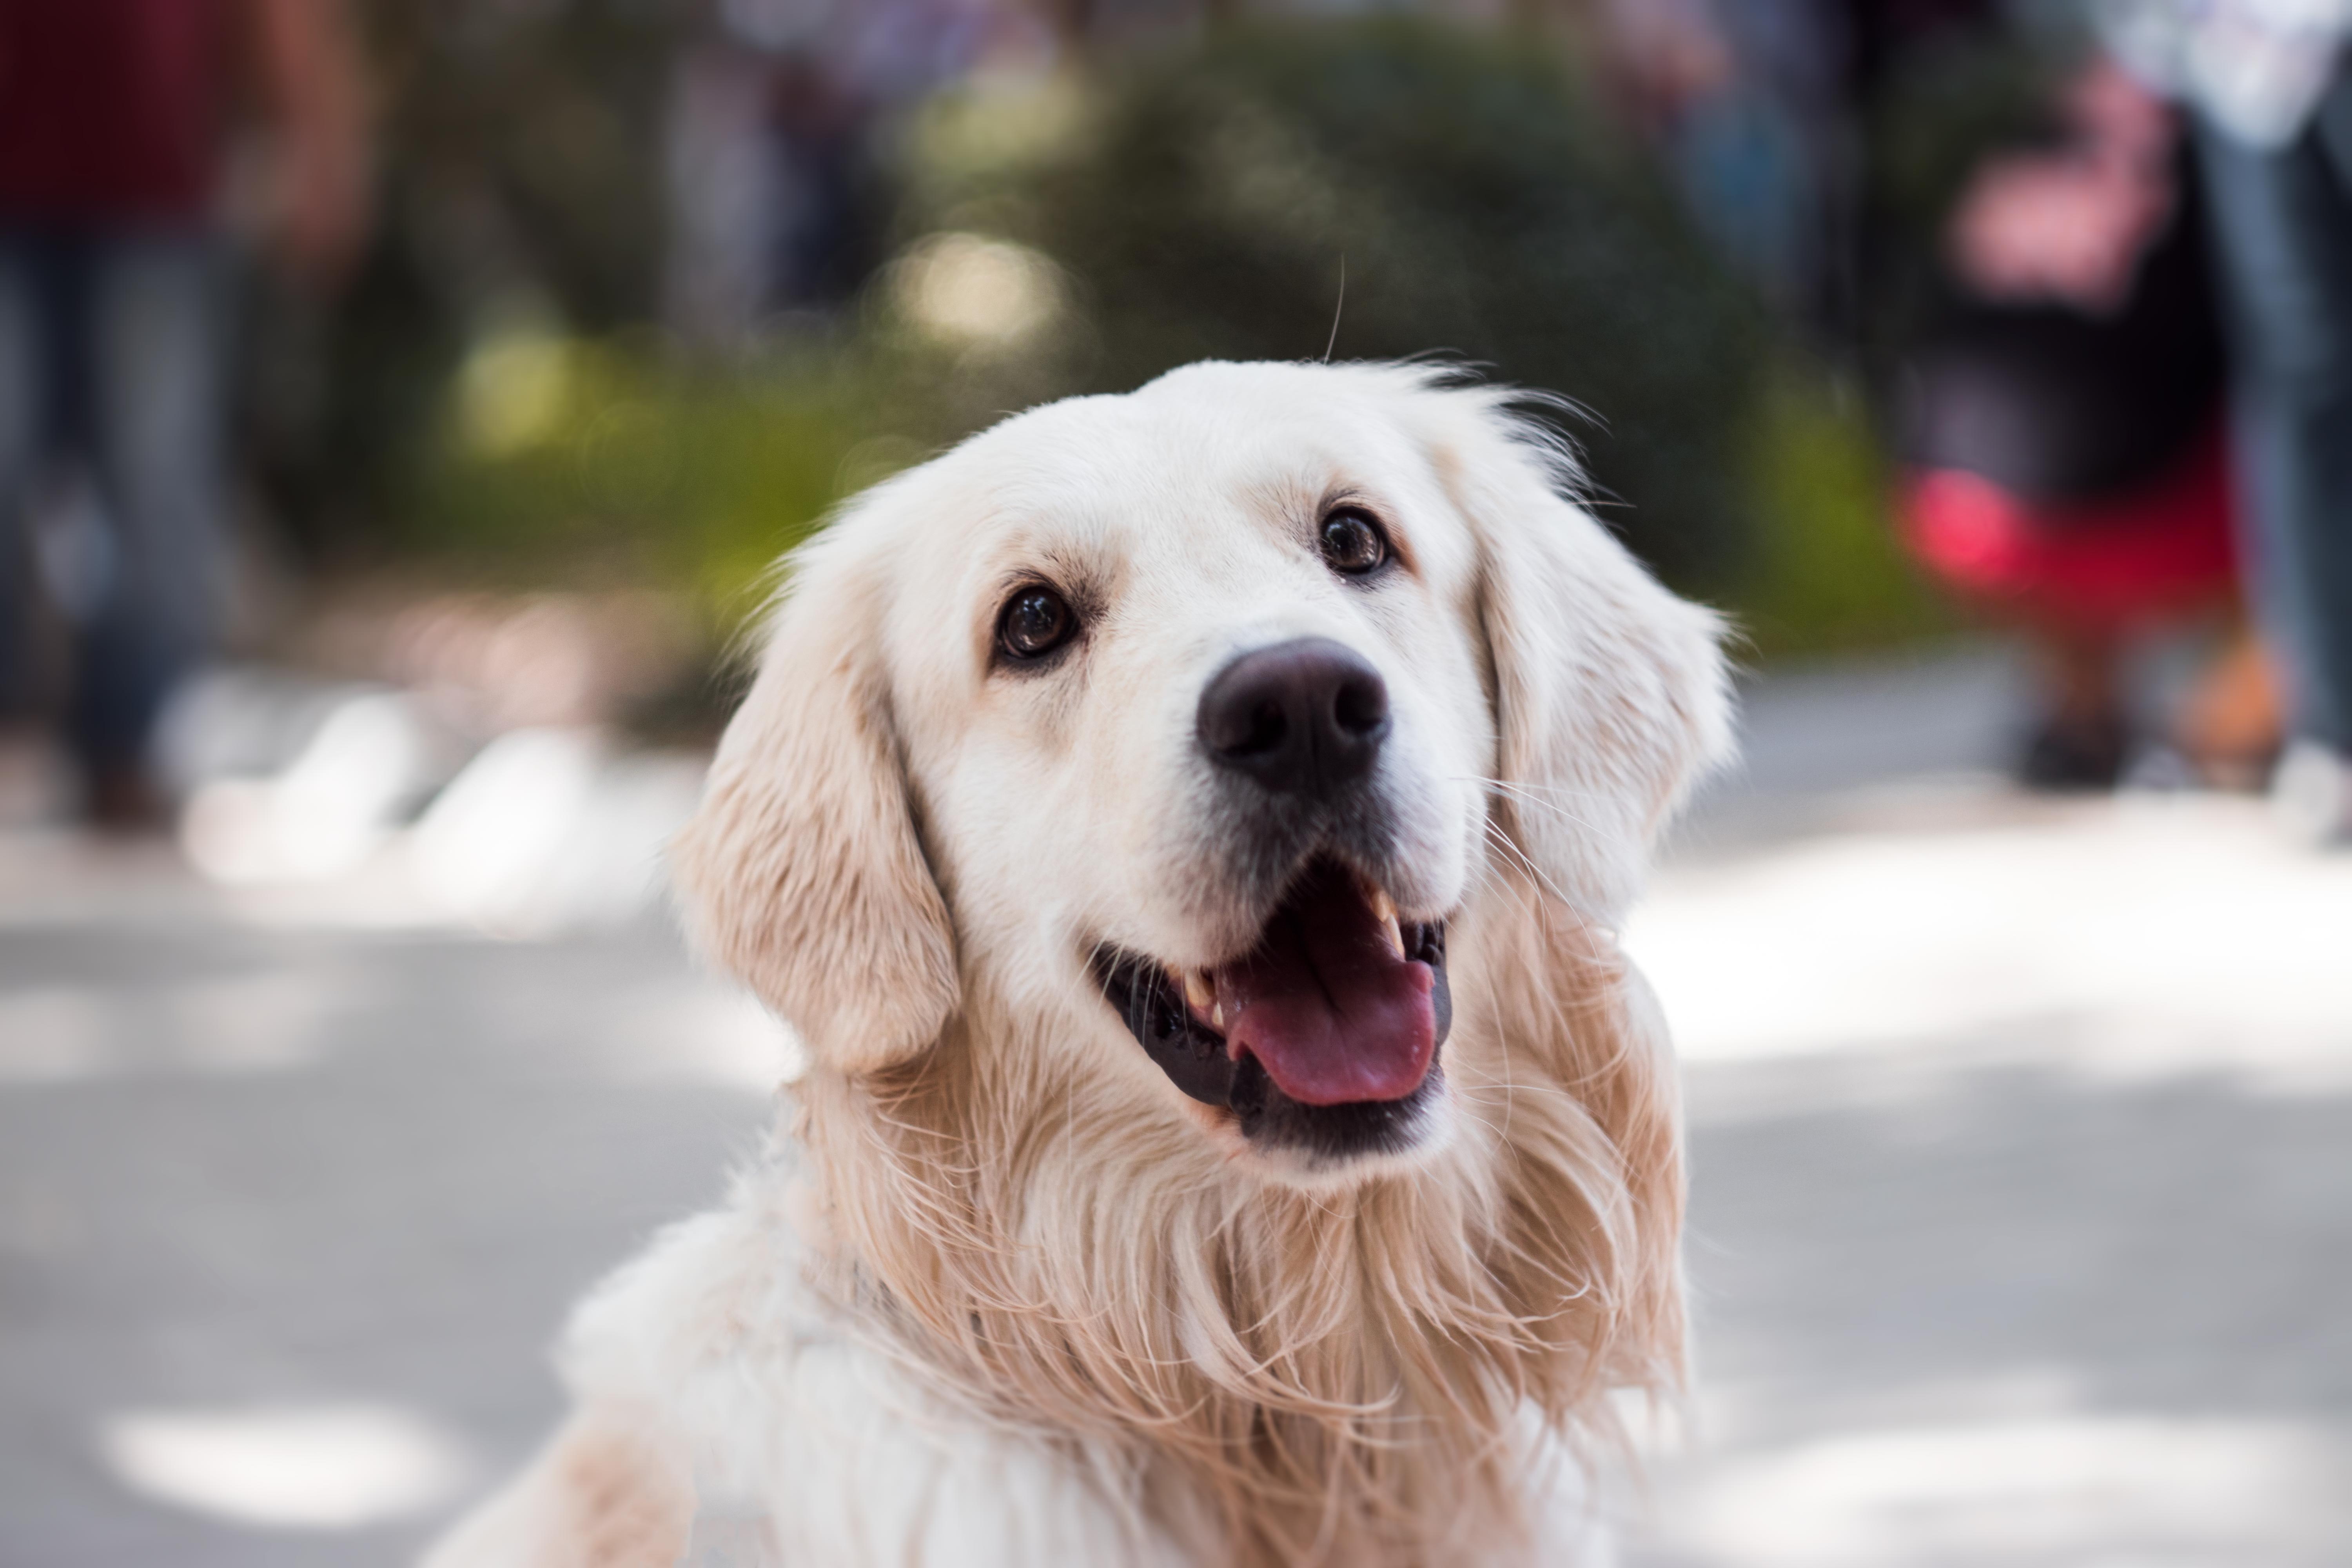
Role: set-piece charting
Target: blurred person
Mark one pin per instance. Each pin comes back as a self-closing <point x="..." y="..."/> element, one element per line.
<point x="114" y="121"/>
<point x="765" y="141"/>
<point x="2064" y="429"/>
<point x="775" y="106"/>
<point x="1765" y="111"/>
<point x="2266" y="87"/>
<point x="1737" y="99"/>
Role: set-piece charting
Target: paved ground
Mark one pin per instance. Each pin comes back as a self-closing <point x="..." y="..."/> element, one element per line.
<point x="2022" y="1144"/>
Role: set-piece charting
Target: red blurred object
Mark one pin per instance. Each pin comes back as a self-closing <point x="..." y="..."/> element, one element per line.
<point x="2158" y="551"/>
<point x="111" y="110"/>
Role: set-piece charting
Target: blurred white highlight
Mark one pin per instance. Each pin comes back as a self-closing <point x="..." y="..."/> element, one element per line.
<point x="696" y="1032"/>
<point x="545" y="827"/>
<point x="2170" y="935"/>
<point x="513" y="390"/>
<point x="545" y="831"/>
<point x="970" y="288"/>
<point x="296" y="1468"/>
<point x="480" y="845"/>
<point x="2107" y="1488"/>
<point x="331" y="808"/>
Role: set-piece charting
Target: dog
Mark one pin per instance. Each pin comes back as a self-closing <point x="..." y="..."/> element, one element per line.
<point x="1186" y="830"/>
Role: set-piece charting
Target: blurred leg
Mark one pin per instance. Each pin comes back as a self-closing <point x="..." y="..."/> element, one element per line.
<point x="2230" y="725"/>
<point x="21" y="366"/>
<point x="2283" y="231"/>
<point x="2081" y="738"/>
<point x="158" y="423"/>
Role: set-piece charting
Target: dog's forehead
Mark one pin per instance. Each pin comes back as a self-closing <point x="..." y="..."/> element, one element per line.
<point x="1151" y="472"/>
<point x="1195" y="497"/>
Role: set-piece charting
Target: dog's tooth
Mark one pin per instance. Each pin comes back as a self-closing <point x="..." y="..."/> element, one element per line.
<point x="1217" y="1016"/>
<point x="1200" y="990"/>
<point x="1384" y="915"/>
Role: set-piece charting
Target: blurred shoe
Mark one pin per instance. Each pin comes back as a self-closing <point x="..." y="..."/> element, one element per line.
<point x="2233" y="720"/>
<point x="36" y="778"/>
<point x="2311" y="794"/>
<point x="2163" y="770"/>
<point x="123" y="798"/>
<point x="2071" y="755"/>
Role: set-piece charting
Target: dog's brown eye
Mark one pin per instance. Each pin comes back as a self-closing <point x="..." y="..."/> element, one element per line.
<point x="1035" y="622"/>
<point x="1352" y="542"/>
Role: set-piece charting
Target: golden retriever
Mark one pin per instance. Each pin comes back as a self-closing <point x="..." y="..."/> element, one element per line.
<point x="1187" y="831"/>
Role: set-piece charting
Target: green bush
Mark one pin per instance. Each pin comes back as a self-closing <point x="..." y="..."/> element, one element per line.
<point x="610" y="460"/>
<point x="1827" y="571"/>
<point x="518" y="161"/>
<point x="1204" y="201"/>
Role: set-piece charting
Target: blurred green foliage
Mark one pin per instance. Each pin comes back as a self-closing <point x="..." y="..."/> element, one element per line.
<point x="519" y="152"/>
<point x="611" y="461"/>
<point x="1827" y="571"/>
<point x="501" y="407"/>
<point x="1207" y="200"/>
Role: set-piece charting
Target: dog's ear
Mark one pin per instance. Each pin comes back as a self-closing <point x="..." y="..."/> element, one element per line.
<point x="1610" y="694"/>
<point x="802" y="873"/>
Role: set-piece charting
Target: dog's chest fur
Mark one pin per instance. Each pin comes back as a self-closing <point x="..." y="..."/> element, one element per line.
<point x="809" y="1445"/>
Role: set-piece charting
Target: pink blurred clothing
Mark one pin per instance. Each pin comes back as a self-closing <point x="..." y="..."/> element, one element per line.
<point x="2113" y="564"/>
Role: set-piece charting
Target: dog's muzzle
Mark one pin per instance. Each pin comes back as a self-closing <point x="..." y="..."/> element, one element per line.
<point x="1324" y="1038"/>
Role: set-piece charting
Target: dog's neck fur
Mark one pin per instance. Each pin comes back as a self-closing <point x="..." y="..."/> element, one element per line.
<point x="1338" y="1376"/>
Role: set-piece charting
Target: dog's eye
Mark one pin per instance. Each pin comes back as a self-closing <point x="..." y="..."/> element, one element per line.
<point x="1035" y="622"/>
<point x="1352" y="542"/>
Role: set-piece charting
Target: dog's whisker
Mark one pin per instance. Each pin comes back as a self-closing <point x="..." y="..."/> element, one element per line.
<point x="1533" y="787"/>
<point x="1502" y="841"/>
<point x="1534" y="797"/>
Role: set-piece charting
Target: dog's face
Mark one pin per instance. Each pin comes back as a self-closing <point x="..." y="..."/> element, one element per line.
<point x="1194" y="708"/>
<point x="1185" y="724"/>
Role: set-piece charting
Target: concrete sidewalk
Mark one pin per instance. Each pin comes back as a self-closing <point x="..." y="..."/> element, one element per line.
<point x="292" y="1198"/>
<point x="2022" y="1224"/>
<point x="2022" y="1218"/>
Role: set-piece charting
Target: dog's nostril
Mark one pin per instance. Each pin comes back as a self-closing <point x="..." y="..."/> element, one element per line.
<point x="1243" y="728"/>
<point x="1299" y="718"/>
<point x="1268" y="729"/>
<point x="1361" y="705"/>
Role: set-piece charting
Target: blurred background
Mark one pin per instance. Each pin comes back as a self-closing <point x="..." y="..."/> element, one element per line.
<point x="404" y="402"/>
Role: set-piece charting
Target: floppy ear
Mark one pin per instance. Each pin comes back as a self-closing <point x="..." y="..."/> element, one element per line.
<point x="802" y="873"/>
<point x="1610" y="694"/>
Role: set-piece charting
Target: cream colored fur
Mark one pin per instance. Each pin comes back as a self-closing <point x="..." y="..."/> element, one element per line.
<point x="1003" y="1295"/>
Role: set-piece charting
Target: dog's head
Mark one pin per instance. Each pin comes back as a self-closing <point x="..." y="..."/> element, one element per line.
<point x="1183" y="725"/>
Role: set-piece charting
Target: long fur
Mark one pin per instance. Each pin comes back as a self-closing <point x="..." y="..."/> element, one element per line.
<point x="1343" y="1372"/>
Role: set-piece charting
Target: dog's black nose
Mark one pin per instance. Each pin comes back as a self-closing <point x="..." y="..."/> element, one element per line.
<point x="1300" y="718"/>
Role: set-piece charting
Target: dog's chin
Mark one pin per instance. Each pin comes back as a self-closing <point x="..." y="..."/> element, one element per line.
<point x="1318" y="1050"/>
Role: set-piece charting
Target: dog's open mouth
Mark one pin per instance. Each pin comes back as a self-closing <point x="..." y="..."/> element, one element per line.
<point x="1324" y="1034"/>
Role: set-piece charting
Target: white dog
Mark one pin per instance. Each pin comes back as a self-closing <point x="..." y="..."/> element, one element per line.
<point x="1187" y="830"/>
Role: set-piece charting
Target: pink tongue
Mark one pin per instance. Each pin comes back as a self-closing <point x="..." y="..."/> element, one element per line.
<point x="1325" y="1005"/>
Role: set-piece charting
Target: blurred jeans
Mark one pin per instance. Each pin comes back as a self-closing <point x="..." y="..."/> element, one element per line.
<point x="2281" y="224"/>
<point x="111" y="348"/>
